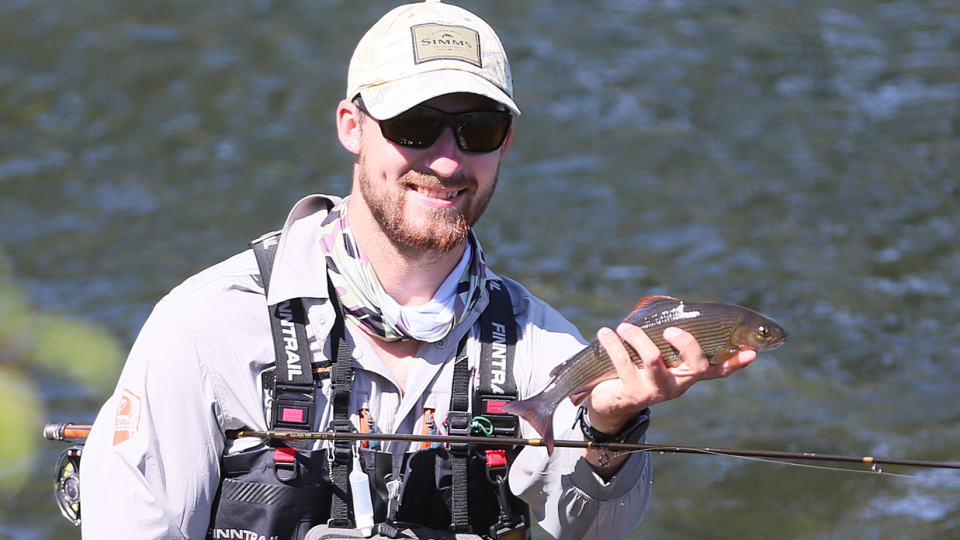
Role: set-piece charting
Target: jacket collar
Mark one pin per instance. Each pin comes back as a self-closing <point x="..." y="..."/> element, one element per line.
<point x="299" y="270"/>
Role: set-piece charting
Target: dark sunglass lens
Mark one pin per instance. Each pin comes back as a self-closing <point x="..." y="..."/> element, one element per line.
<point x="482" y="131"/>
<point x="416" y="128"/>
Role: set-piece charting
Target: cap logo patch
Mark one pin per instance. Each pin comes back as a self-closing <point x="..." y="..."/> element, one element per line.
<point x="445" y="42"/>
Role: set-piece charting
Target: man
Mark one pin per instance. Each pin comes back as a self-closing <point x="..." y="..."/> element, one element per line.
<point x="428" y="115"/>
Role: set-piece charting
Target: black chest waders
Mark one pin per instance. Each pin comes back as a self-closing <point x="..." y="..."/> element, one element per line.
<point x="287" y="491"/>
<point x="280" y="490"/>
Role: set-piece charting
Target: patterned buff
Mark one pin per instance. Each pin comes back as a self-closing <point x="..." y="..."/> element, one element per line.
<point x="363" y="298"/>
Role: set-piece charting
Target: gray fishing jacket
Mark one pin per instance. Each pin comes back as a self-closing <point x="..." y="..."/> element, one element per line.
<point x="151" y="464"/>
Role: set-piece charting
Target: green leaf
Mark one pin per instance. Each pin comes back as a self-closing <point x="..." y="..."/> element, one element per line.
<point x="78" y="350"/>
<point x="20" y="428"/>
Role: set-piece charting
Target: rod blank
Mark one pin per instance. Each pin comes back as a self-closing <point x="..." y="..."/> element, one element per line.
<point x="65" y="431"/>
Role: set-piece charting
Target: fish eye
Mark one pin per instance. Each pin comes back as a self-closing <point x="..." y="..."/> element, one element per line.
<point x="764" y="331"/>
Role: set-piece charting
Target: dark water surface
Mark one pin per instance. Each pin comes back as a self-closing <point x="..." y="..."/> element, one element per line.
<point x="800" y="158"/>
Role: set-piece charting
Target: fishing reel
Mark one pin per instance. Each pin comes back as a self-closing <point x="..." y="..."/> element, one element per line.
<point x="66" y="486"/>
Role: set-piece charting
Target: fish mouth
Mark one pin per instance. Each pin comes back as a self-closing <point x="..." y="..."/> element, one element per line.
<point x="779" y="341"/>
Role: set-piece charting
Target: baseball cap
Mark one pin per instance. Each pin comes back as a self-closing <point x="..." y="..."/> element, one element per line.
<point x="420" y="51"/>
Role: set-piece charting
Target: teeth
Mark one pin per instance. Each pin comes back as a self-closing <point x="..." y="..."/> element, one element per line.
<point x="437" y="194"/>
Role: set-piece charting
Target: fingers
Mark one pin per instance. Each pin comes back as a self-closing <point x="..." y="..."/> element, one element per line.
<point x="619" y="355"/>
<point x="695" y="362"/>
<point x="647" y="350"/>
<point x="637" y="378"/>
<point x="689" y="349"/>
<point x="614" y="402"/>
<point x="725" y="369"/>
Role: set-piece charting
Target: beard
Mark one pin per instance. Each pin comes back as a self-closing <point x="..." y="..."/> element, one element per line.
<point x="422" y="229"/>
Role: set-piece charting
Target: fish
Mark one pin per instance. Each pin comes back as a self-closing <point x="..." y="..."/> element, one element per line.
<point x="722" y="330"/>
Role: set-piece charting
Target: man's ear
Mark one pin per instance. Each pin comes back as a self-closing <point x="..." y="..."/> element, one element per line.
<point x="348" y="126"/>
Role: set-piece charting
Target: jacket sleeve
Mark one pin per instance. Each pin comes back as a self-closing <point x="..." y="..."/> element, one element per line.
<point x="566" y="496"/>
<point x="569" y="499"/>
<point x="150" y="466"/>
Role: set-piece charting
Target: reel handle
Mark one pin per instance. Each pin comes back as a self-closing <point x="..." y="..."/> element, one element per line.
<point x="65" y="431"/>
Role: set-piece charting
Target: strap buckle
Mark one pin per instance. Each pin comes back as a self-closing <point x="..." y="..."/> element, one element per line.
<point x="504" y="424"/>
<point x="293" y="407"/>
<point x="285" y="467"/>
<point x="339" y="523"/>
<point x="459" y="424"/>
<point x="509" y="526"/>
<point x="342" y="449"/>
<point x="509" y="531"/>
<point x="497" y="467"/>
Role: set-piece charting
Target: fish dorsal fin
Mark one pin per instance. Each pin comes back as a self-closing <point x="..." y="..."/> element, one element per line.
<point x="653" y="300"/>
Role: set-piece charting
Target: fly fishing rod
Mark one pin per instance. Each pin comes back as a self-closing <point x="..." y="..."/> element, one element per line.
<point x="73" y="432"/>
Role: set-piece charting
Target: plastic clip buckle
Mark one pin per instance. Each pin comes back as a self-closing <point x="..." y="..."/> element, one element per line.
<point x="503" y="531"/>
<point x="334" y="523"/>
<point x="496" y="465"/>
<point x="285" y="467"/>
<point x="504" y="424"/>
<point x="388" y="530"/>
<point x="342" y="449"/>
<point x="293" y="407"/>
<point x="508" y="526"/>
<point x="459" y="424"/>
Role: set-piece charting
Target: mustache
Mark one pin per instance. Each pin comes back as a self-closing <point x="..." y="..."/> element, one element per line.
<point x="458" y="181"/>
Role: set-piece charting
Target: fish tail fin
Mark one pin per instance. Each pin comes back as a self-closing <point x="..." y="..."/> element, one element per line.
<point x="538" y="412"/>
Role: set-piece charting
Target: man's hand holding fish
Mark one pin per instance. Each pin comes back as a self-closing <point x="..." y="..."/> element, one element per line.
<point x="659" y="351"/>
<point x="614" y="403"/>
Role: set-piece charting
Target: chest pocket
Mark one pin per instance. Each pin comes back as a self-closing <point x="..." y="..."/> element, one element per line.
<point x="254" y="501"/>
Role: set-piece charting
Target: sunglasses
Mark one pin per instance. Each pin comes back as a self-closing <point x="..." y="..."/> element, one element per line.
<point x="476" y="132"/>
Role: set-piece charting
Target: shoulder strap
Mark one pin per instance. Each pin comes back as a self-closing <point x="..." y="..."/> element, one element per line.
<point x="294" y="399"/>
<point x="498" y="340"/>
<point x="294" y="403"/>
<point x="497" y="386"/>
<point x="498" y="337"/>
<point x="340" y="382"/>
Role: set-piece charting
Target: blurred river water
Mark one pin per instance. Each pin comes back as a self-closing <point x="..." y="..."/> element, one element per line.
<point x="799" y="158"/>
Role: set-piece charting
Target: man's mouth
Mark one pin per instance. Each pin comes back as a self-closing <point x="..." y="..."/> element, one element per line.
<point x="438" y="194"/>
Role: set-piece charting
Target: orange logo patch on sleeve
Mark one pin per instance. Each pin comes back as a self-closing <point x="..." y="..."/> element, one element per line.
<point x="128" y="417"/>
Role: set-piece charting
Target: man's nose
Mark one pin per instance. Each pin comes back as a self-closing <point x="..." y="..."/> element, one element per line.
<point x="444" y="157"/>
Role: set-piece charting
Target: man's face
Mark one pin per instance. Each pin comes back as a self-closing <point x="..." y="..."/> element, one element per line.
<point x="427" y="199"/>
